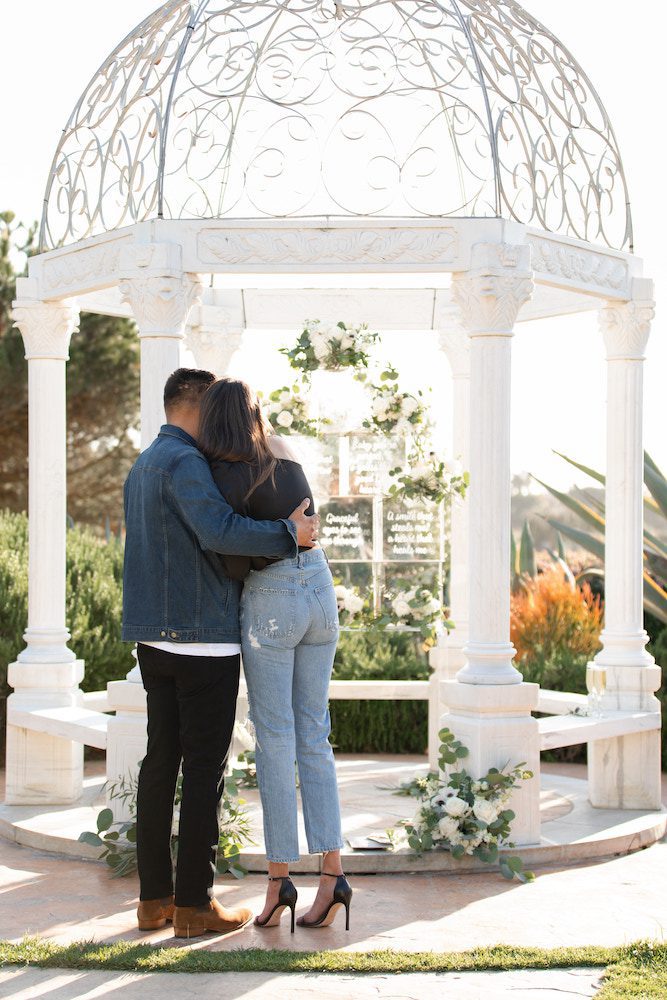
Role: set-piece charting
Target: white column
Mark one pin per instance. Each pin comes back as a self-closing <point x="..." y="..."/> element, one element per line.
<point x="46" y="674"/>
<point x="446" y="658"/>
<point x="160" y="295"/>
<point x="489" y="705"/>
<point x="625" y="773"/>
<point x="490" y="297"/>
<point x="211" y="340"/>
<point x="455" y="342"/>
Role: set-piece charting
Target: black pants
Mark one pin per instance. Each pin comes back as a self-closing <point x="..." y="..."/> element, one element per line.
<point x="191" y="705"/>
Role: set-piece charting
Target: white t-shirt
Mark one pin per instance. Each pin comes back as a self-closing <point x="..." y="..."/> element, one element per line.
<point x="197" y="648"/>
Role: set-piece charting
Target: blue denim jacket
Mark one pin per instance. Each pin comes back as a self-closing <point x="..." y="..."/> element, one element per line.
<point x="174" y="584"/>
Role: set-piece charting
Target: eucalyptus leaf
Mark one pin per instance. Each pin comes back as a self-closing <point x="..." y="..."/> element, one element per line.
<point x="90" y="838"/>
<point x="104" y="820"/>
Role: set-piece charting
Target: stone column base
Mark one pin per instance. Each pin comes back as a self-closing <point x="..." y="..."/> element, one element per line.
<point x="43" y="769"/>
<point x="624" y="773"/>
<point x="445" y="661"/>
<point x="126" y="739"/>
<point x="496" y="725"/>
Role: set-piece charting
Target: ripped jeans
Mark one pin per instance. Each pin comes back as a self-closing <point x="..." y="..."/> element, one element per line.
<point x="289" y="631"/>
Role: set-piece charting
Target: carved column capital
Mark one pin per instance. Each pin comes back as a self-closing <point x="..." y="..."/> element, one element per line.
<point x="211" y="338"/>
<point x="46" y="327"/>
<point x="161" y="303"/>
<point x="625" y="327"/>
<point x="492" y="292"/>
<point x="455" y="343"/>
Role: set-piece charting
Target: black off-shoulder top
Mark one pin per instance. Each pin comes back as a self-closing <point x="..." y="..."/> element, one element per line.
<point x="273" y="499"/>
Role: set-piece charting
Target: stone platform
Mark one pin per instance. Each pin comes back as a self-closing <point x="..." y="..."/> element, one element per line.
<point x="572" y="830"/>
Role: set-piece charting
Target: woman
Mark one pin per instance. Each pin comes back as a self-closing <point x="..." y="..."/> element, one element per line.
<point x="289" y="632"/>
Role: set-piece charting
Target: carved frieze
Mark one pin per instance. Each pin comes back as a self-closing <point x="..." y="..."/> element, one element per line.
<point x="585" y="267"/>
<point x="81" y="269"/>
<point x="329" y="246"/>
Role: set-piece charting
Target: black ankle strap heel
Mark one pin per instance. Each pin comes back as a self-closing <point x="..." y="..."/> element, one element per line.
<point x="287" y="897"/>
<point x="342" y="896"/>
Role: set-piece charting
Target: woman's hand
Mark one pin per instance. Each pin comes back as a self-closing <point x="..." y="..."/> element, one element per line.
<point x="307" y="525"/>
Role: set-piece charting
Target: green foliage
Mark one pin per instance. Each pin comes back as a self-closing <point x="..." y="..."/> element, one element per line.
<point x="380" y="726"/>
<point x="13" y="599"/>
<point x="94" y="607"/>
<point x="102" y="399"/>
<point x="118" y="841"/>
<point x="94" y="602"/>
<point x="591" y="513"/>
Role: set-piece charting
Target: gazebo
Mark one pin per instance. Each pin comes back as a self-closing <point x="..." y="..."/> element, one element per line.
<point x="422" y="166"/>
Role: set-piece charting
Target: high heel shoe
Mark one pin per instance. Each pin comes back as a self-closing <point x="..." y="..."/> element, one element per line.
<point x="342" y="896"/>
<point x="287" y="897"/>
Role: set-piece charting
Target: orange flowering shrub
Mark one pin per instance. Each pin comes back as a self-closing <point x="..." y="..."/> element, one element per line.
<point x="555" y="629"/>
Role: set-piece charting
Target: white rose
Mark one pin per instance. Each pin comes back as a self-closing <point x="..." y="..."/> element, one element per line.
<point x="484" y="810"/>
<point x="285" y="418"/>
<point x="354" y="604"/>
<point x="401" y="607"/>
<point x="453" y="467"/>
<point x="409" y="405"/>
<point x="379" y="408"/>
<point x="341" y="593"/>
<point x="346" y="341"/>
<point x="448" y="827"/>
<point x="321" y="348"/>
<point x="456" y="806"/>
<point x="285" y="396"/>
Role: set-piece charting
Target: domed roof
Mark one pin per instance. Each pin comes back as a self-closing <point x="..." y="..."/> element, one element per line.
<point x="315" y="108"/>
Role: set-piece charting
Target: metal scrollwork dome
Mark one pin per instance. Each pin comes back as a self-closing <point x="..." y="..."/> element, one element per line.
<point x="314" y="108"/>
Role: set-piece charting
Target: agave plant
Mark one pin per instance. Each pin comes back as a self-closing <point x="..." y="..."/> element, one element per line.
<point x="524" y="559"/>
<point x="591" y="510"/>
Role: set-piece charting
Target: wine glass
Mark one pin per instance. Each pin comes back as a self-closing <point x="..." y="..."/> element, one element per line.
<point x="600" y="683"/>
<point x="591" y="689"/>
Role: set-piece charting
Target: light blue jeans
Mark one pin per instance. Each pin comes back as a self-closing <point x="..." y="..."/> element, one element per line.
<point x="289" y="631"/>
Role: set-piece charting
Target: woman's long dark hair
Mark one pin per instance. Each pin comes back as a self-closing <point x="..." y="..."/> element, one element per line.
<point x="232" y="429"/>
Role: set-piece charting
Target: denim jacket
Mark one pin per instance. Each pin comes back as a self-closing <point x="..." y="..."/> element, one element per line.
<point x="174" y="584"/>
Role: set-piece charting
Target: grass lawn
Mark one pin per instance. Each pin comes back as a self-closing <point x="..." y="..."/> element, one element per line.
<point x="636" y="970"/>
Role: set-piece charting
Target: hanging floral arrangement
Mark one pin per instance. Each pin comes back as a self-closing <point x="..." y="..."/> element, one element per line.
<point x="332" y="348"/>
<point x="394" y="411"/>
<point x="288" y="412"/>
<point x="429" y="478"/>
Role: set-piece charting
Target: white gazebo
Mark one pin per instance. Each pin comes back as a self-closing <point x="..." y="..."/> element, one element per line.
<point x="421" y="166"/>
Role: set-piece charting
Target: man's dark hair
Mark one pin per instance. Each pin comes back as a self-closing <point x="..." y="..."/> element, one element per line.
<point x="186" y="386"/>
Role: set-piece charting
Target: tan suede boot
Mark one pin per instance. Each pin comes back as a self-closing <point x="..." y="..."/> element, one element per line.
<point x="154" y="913"/>
<point x="193" y="921"/>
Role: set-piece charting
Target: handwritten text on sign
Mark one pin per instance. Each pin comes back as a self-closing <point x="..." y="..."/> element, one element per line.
<point x="346" y="529"/>
<point x="412" y="531"/>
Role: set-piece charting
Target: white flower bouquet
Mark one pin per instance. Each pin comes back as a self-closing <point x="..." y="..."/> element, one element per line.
<point x="464" y="815"/>
<point x="429" y="478"/>
<point x="418" y="608"/>
<point x="331" y="348"/>
<point x="288" y="413"/>
<point x="352" y="607"/>
<point x="393" y="411"/>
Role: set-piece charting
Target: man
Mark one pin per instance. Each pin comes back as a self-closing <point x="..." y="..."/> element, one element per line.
<point x="182" y="610"/>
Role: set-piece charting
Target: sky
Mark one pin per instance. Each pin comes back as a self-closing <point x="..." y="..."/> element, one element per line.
<point x="52" y="50"/>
